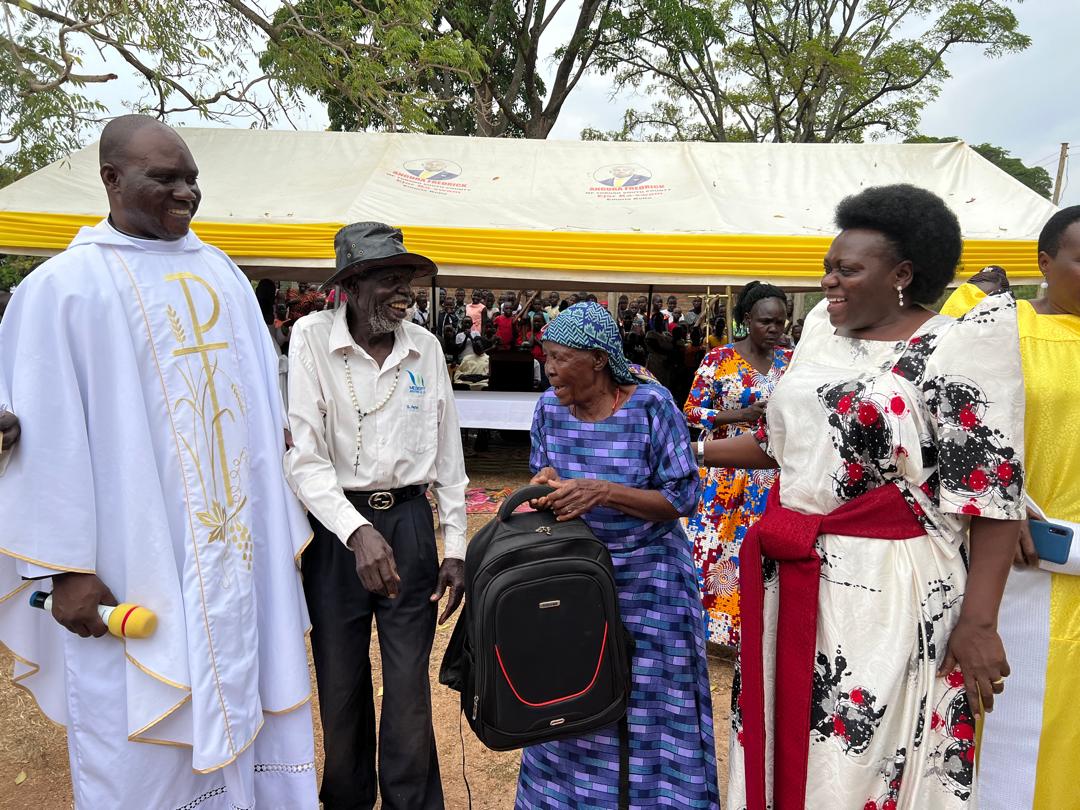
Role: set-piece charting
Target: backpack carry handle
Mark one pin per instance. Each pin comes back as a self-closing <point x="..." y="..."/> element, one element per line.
<point x="523" y="495"/>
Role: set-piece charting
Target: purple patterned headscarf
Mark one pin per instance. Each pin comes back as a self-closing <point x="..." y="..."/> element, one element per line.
<point x="589" y="326"/>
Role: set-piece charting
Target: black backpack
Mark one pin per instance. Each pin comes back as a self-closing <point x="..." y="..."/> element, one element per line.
<point x="539" y="652"/>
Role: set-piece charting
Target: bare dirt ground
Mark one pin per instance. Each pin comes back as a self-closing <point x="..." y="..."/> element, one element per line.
<point x="33" y="751"/>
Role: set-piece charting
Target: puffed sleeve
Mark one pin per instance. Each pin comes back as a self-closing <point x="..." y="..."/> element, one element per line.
<point x="962" y="300"/>
<point x="674" y="471"/>
<point x="973" y="384"/>
<point x="706" y="391"/>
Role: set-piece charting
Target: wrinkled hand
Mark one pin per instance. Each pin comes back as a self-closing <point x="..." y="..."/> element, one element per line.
<point x="10" y="430"/>
<point x="574" y="497"/>
<point x="546" y="476"/>
<point x="980" y="656"/>
<point x="452" y="576"/>
<point x="1026" y="556"/>
<point x="375" y="562"/>
<point x="75" y="599"/>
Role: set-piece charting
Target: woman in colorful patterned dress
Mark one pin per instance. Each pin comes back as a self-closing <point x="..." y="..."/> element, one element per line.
<point x="727" y="399"/>
<point x="871" y="585"/>
<point x="616" y="449"/>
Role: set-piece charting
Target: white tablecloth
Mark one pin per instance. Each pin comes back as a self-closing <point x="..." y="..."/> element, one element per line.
<point x="501" y="410"/>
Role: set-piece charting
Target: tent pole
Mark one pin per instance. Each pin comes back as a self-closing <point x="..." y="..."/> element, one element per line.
<point x="727" y="314"/>
<point x="706" y="310"/>
<point x="648" y="309"/>
<point x="433" y="305"/>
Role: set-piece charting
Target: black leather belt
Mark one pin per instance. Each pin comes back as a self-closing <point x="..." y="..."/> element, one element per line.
<point x="384" y="499"/>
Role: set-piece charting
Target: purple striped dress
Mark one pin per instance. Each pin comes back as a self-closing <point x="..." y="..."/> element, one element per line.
<point x="672" y="759"/>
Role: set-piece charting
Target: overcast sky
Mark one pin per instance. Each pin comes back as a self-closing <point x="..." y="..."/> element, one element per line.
<point x="1028" y="103"/>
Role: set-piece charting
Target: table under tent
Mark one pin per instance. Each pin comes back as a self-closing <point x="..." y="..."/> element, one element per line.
<point x="640" y="218"/>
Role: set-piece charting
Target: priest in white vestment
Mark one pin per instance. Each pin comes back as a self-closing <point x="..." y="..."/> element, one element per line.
<point x="149" y="469"/>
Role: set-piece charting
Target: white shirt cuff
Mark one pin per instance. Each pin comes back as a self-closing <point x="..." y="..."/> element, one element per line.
<point x="453" y="545"/>
<point x="348" y="523"/>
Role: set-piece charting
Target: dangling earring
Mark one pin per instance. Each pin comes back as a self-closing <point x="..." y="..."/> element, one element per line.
<point x="900" y="295"/>
<point x="1044" y="286"/>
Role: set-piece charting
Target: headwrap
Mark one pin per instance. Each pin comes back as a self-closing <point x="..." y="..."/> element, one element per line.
<point x="589" y="326"/>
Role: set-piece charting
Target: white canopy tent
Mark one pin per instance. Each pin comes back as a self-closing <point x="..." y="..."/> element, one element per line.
<point x="548" y="214"/>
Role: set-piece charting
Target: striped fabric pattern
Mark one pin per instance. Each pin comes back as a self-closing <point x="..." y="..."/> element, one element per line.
<point x="672" y="758"/>
<point x="589" y="326"/>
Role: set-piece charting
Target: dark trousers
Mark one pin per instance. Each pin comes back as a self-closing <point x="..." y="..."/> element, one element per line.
<point x="341" y="611"/>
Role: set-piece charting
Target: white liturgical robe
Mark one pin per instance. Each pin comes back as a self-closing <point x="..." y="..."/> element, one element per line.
<point x="152" y="438"/>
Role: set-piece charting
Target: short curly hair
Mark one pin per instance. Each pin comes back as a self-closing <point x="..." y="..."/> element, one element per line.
<point x="920" y="227"/>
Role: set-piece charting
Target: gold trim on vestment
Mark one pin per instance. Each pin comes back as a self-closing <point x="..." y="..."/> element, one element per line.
<point x="187" y="493"/>
<point x="303" y="548"/>
<point x="16" y="680"/>
<point x="133" y="736"/>
<point x="63" y="569"/>
<point x="36" y="667"/>
<point x="22" y="587"/>
<point x="147" y="671"/>
<point x="235" y="756"/>
<point x="292" y="708"/>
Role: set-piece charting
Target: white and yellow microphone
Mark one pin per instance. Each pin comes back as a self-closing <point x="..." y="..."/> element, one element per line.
<point x="124" y="620"/>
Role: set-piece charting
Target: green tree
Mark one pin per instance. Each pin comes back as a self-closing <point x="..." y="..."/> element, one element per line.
<point x="792" y="70"/>
<point x="200" y="56"/>
<point x="1034" y="177"/>
<point x="500" y="92"/>
<point x="388" y="65"/>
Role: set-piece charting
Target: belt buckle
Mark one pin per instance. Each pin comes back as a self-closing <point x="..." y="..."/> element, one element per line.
<point x="380" y="500"/>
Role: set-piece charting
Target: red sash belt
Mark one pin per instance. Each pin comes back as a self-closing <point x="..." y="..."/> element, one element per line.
<point x="788" y="537"/>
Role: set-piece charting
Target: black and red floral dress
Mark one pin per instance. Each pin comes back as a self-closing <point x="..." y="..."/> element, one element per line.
<point x="941" y="417"/>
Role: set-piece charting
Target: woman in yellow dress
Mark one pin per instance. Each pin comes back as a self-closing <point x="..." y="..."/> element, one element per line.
<point x="1031" y="743"/>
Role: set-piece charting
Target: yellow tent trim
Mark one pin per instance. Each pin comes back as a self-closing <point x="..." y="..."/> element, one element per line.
<point x="746" y="255"/>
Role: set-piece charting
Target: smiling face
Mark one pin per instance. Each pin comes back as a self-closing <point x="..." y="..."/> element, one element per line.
<point x="1063" y="272"/>
<point x="379" y="298"/>
<point x="573" y="373"/>
<point x="153" y="185"/>
<point x="862" y="272"/>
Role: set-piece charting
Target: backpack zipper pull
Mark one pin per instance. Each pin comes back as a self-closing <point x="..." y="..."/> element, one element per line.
<point x="475" y="706"/>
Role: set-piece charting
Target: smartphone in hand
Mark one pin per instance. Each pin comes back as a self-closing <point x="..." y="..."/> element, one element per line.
<point x="1052" y="540"/>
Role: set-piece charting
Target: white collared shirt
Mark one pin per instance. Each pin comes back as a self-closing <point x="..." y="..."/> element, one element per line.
<point x="412" y="439"/>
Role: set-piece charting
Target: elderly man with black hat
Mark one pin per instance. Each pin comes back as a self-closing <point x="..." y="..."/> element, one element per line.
<point x="374" y="427"/>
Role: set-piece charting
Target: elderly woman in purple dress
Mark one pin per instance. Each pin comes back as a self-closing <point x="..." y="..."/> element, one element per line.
<point x="616" y="449"/>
